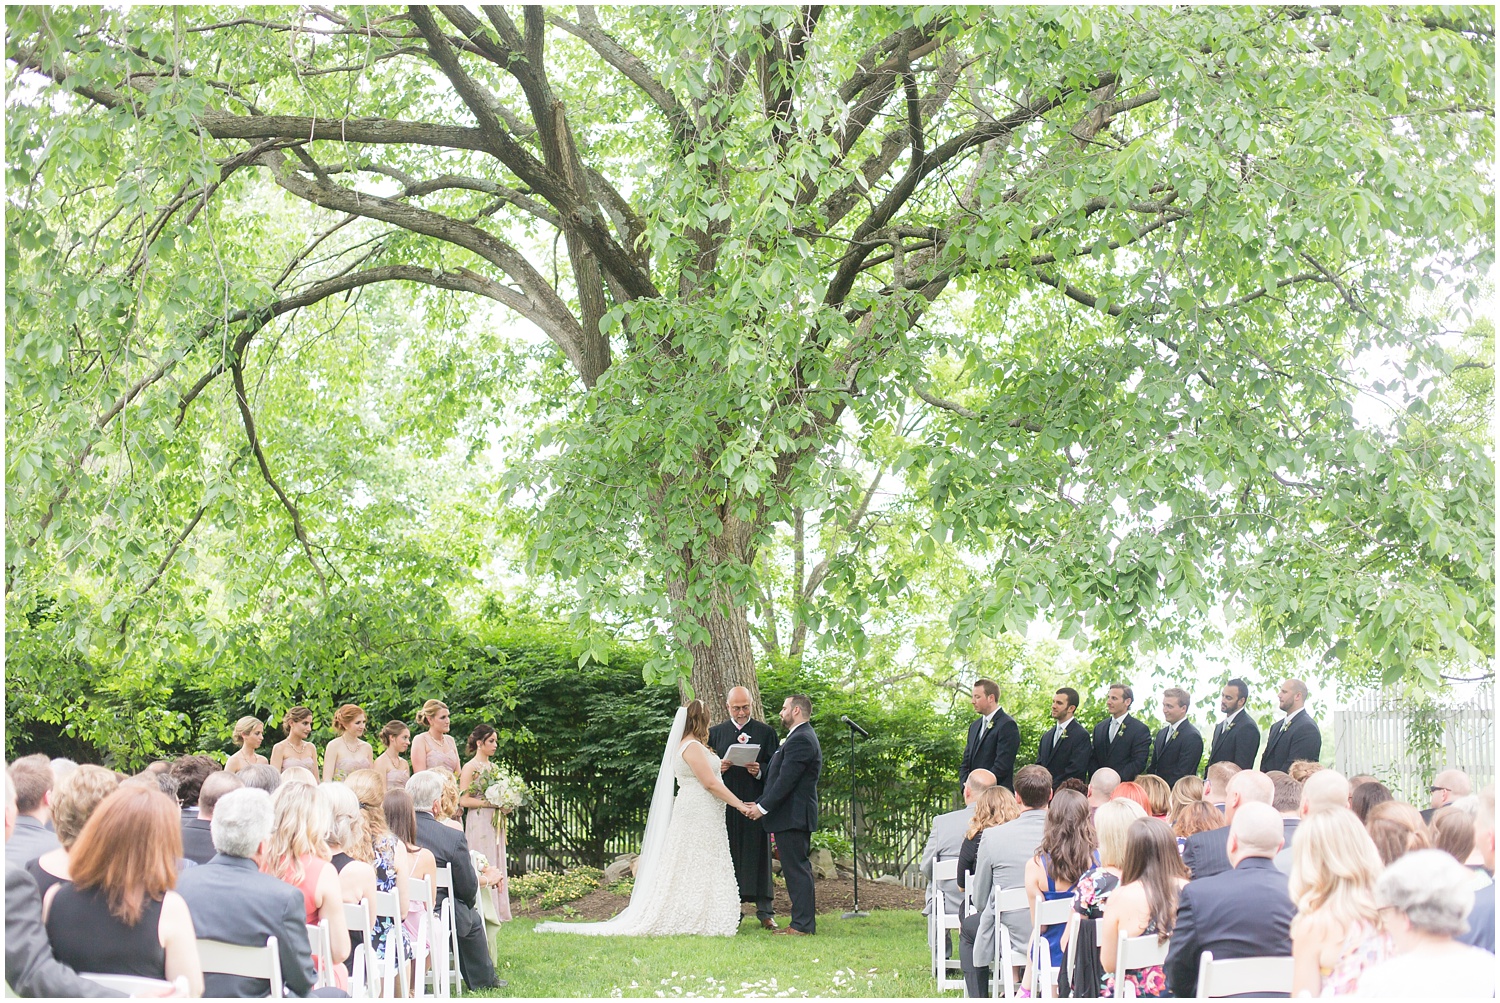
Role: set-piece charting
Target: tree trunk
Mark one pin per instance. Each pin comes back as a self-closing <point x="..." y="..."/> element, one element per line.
<point x="728" y="659"/>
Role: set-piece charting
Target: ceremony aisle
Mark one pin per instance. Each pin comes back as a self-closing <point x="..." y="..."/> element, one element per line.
<point x="882" y="955"/>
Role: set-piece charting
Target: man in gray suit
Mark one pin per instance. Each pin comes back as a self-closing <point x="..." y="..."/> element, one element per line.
<point x="1003" y="853"/>
<point x="948" y="832"/>
<point x="33" y="836"/>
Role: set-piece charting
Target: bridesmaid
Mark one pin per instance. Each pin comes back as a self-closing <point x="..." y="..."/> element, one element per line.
<point x="295" y="749"/>
<point x="479" y="822"/>
<point x="348" y="752"/>
<point x="434" y="749"/>
<point x="396" y="737"/>
<point x="249" y="732"/>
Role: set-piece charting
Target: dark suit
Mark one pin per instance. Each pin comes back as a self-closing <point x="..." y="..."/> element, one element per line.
<point x="30" y="968"/>
<point x="1068" y="758"/>
<point x="1238" y="744"/>
<point x="1178" y="756"/>
<point x="749" y="847"/>
<point x="790" y="803"/>
<point x="197" y="840"/>
<point x="1286" y="745"/>
<point x="232" y="901"/>
<point x="992" y="748"/>
<point x="1207" y="853"/>
<point x="1127" y="754"/>
<point x="449" y="846"/>
<point x="1243" y="913"/>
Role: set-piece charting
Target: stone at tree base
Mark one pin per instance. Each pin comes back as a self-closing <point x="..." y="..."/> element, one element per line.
<point x="822" y="864"/>
<point x="622" y="865"/>
<point x="775" y="865"/>
<point x="888" y="879"/>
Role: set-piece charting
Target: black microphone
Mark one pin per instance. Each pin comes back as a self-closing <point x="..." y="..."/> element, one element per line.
<point x="845" y="719"/>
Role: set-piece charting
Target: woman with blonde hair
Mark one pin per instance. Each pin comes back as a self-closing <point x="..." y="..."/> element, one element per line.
<point x="1186" y="791"/>
<point x="299" y="855"/>
<point x="448" y="812"/>
<point x="74" y="800"/>
<point x="295" y="750"/>
<point x="995" y="806"/>
<point x="1158" y="795"/>
<point x="119" y="915"/>
<point x="1335" y="934"/>
<point x="435" y="749"/>
<point x="381" y="850"/>
<point x="249" y="732"/>
<point x="346" y="828"/>
<point x="349" y="751"/>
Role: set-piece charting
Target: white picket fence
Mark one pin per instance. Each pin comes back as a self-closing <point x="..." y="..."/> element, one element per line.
<point x="1370" y="736"/>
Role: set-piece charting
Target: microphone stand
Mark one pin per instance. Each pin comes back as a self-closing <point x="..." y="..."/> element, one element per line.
<point x="856" y="912"/>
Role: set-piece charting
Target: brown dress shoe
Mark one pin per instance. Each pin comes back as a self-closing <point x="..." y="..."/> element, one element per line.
<point x="789" y="932"/>
<point x="769" y="923"/>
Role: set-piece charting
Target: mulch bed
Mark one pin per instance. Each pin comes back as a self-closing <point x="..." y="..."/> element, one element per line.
<point x="835" y="895"/>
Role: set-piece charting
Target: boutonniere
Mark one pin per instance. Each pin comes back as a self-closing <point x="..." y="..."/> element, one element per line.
<point x="744" y="738"/>
<point x="1228" y="725"/>
<point x="987" y="724"/>
<point x="1172" y="737"/>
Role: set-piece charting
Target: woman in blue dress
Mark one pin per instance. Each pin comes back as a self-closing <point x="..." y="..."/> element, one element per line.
<point x="1066" y="852"/>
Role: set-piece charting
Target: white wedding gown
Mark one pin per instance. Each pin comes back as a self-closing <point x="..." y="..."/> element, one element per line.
<point x="685" y="882"/>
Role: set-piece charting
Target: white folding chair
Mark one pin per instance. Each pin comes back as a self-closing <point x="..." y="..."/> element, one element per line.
<point x="365" y="982"/>
<point x="135" y="985"/>
<point x="219" y="958"/>
<point x="1006" y="959"/>
<point x="944" y="873"/>
<point x="317" y="937"/>
<point x="1054" y="912"/>
<point x="1136" y="952"/>
<point x="393" y="965"/>
<point x="1232" y="976"/>
<point x="422" y="893"/>
<point x="445" y="884"/>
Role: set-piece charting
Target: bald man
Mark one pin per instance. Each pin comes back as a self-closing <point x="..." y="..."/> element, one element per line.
<point x="1296" y="736"/>
<point x="1447" y="787"/>
<point x="1207" y="853"/>
<point x="749" y="844"/>
<point x="1245" y="912"/>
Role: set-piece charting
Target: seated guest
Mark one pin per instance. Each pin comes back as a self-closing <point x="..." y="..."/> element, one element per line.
<point x="233" y="901"/>
<point x="1451" y="830"/>
<point x="401" y="819"/>
<point x="263" y="778"/>
<point x="450" y="814"/>
<point x="1075" y="785"/>
<point x="296" y="775"/>
<point x="995" y="806"/>
<point x="74" y="800"/>
<point x="299" y="856"/>
<point x="1325" y="790"/>
<point x="1003" y="853"/>
<point x="1091" y="893"/>
<point x="1243" y="912"/>
<point x="1158" y="795"/>
<point x="1132" y="791"/>
<point x="1066" y="852"/>
<point x="449" y="847"/>
<point x="1216" y="784"/>
<point x="947" y="836"/>
<point x="1102" y="786"/>
<point x="1188" y="790"/>
<point x="346" y="828"/>
<point x="190" y="772"/>
<point x="1207" y="853"/>
<point x="1151" y="878"/>
<point x="32" y="776"/>
<point x="1447" y="787"/>
<point x="1200" y="816"/>
<point x="1367" y="795"/>
<point x="1425" y="898"/>
<point x="1482" y="919"/>
<point x="378" y="848"/>
<point x="197" y="833"/>
<point x="30" y="968"/>
<point x="1335" y="936"/>
<point x="61" y="767"/>
<point x="119" y="915"/>
<point x="1397" y="829"/>
<point x="1286" y="798"/>
<point x="1301" y="769"/>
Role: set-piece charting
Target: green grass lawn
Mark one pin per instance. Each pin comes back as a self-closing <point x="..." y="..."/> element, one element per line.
<point x="882" y="955"/>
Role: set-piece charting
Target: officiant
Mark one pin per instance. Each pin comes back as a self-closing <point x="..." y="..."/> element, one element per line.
<point x="749" y="843"/>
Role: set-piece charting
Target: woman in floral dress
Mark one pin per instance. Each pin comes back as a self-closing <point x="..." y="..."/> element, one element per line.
<point x="481" y="825"/>
<point x="1151" y="875"/>
<point x="382" y="851"/>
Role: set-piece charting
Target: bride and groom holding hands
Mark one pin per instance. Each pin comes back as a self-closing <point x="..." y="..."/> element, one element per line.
<point x="687" y="879"/>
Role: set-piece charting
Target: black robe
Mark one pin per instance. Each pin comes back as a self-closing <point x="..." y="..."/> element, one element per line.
<point x="749" y="845"/>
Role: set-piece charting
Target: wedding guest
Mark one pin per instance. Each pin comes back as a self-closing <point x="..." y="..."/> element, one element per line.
<point x="1396" y="828"/>
<point x="380" y="849"/>
<point x="1324" y="791"/>
<point x="73" y="802"/>
<point x="1065" y="853"/>
<point x="1091" y="893"/>
<point x="299" y="856"/>
<point x="34" y="835"/>
<point x="346" y="830"/>
<point x="1448" y="786"/>
<point x="1185" y="791"/>
<point x="197" y="833"/>
<point x="1145" y="903"/>
<point x="1207" y="853"/>
<point x="946" y="840"/>
<point x="1158" y="795"/>
<point x="483" y="822"/>
<point x="1425" y="899"/>
<point x="396" y="738"/>
<point x="1302" y="769"/>
<point x="249" y="732"/>
<point x="1216" y="782"/>
<point x="349" y="751"/>
<point x="1076" y="786"/>
<point x="1335" y="936"/>
<point x="421" y="867"/>
<point x="994" y="806"/>
<point x="1132" y="791"/>
<point x="296" y="775"/>
<point x="1286" y="798"/>
<point x="62" y="766"/>
<point x="262" y="778"/>
<point x="30" y="969"/>
<point x="1200" y="816"/>
<point x="295" y="750"/>
<point x="1451" y="831"/>
<point x="450" y="814"/>
<point x="1367" y="795"/>
<point x="119" y="915"/>
<point x="434" y="748"/>
<point x="1003" y="853"/>
<point x="190" y="772"/>
<point x="1482" y="918"/>
<point x="1102" y="786"/>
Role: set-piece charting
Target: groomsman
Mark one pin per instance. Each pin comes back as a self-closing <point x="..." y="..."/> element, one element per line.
<point x="994" y="738"/>
<point x="1120" y="741"/>
<point x="788" y="809"/>
<point x="1178" y="748"/>
<point x="1295" y="736"/>
<point x="1064" y="749"/>
<point x="1237" y="737"/>
<point x="749" y="843"/>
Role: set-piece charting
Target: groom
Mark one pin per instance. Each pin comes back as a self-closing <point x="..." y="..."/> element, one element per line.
<point x="789" y="809"/>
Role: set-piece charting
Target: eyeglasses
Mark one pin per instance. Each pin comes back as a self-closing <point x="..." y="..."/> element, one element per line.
<point x="1434" y="790"/>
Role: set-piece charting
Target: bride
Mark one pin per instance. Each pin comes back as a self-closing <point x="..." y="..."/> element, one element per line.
<point x="684" y="879"/>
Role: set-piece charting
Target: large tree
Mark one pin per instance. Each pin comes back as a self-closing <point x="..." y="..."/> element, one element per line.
<point x="1087" y="290"/>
